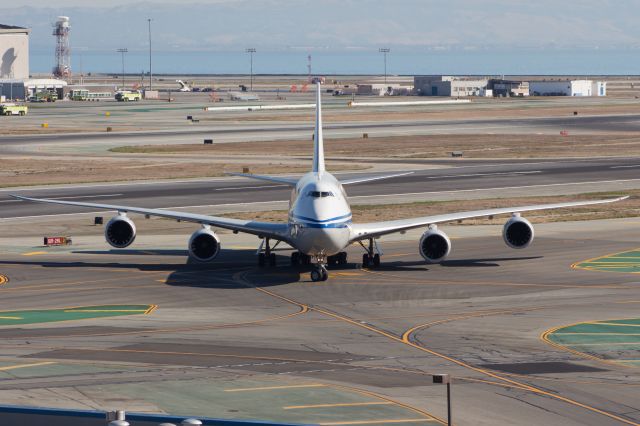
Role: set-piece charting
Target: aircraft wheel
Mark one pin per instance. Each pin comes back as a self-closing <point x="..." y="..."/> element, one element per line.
<point x="343" y="258"/>
<point x="272" y="259"/>
<point x="366" y="260"/>
<point x="261" y="260"/>
<point x="295" y="258"/>
<point x="376" y="260"/>
<point x="316" y="275"/>
<point x="325" y="274"/>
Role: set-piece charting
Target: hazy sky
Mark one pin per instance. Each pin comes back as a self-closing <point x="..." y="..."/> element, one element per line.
<point x="335" y="24"/>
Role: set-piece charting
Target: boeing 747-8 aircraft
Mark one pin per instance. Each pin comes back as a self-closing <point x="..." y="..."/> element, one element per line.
<point x="319" y="226"/>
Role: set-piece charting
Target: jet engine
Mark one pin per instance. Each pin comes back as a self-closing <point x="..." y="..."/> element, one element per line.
<point x="204" y="245"/>
<point x="120" y="231"/>
<point x="435" y="246"/>
<point x="518" y="232"/>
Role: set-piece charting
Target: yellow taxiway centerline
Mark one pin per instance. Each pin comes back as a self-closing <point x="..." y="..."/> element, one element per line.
<point x="15" y="367"/>
<point x="347" y="404"/>
<point x="34" y="253"/>
<point x="313" y="385"/>
<point x="371" y="422"/>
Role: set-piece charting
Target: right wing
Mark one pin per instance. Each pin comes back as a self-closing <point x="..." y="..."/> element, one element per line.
<point x="375" y="229"/>
<point x="372" y="178"/>
<point x="290" y="182"/>
<point x="277" y="231"/>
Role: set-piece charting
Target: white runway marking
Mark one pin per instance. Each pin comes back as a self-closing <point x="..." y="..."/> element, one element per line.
<point x="486" y="174"/>
<point x="71" y="198"/>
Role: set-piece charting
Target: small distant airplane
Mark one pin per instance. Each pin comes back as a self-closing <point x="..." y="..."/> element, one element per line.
<point x="184" y="87"/>
<point x="319" y="226"/>
<point x="241" y="96"/>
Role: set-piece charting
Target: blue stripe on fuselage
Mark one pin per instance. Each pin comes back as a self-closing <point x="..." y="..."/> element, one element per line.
<point x="309" y="219"/>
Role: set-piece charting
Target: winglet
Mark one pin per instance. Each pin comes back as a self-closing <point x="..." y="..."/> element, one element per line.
<point x="318" y="143"/>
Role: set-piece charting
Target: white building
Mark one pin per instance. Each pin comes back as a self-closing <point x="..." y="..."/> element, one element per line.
<point x="568" y="88"/>
<point x="450" y="86"/>
<point x="14" y="52"/>
<point x="21" y="89"/>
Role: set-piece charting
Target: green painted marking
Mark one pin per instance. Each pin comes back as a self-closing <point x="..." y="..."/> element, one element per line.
<point x="610" y="340"/>
<point x="628" y="262"/>
<point x="70" y="314"/>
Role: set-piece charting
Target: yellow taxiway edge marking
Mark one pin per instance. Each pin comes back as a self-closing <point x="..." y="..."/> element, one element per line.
<point x="313" y="385"/>
<point x="348" y="404"/>
<point x="597" y="334"/>
<point x="142" y="311"/>
<point x="605" y="344"/>
<point x="11" y="318"/>
<point x="371" y="422"/>
<point x="4" y="279"/>
<point x="15" y="367"/>
<point x="613" y="323"/>
<point x="34" y="253"/>
<point x="151" y="309"/>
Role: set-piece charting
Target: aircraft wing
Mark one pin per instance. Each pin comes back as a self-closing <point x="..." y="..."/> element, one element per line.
<point x="285" y="181"/>
<point x="372" y="178"/>
<point x="277" y="231"/>
<point x="375" y="229"/>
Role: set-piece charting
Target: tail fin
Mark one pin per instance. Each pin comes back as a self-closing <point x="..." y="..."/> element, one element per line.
<point x="318" y="144"/>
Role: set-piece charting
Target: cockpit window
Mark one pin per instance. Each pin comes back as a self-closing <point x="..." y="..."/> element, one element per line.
<point x="320" y="194"/>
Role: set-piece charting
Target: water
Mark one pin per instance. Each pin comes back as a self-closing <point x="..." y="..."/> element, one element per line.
<point x="536" y="62"/>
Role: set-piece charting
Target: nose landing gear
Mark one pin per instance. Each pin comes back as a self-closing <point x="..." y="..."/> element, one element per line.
<point x="319" y="273"/>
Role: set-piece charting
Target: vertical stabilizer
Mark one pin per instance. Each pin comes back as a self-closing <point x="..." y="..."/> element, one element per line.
<point x="318" y="144"/>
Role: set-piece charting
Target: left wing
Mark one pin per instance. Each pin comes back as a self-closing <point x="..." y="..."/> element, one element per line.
<point x="277" y="231"/>
<point x="375" y="229"/>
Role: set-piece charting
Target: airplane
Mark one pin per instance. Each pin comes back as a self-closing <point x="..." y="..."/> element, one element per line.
<point x="319" y="226"/>
<point x="184" y="87"/>
<point x="240" y="96"/>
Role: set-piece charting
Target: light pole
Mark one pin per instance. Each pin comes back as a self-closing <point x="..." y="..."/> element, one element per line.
<point x="150" y="73"/>
<point x="445" y="379"/>
<point x="251" y="51"/>
<point x="385" y="50"/>
<point x="122" y="51"/>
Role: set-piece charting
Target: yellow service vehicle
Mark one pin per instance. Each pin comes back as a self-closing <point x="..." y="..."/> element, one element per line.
<point x="126" y="96"/>
<point x="13" y="109"/>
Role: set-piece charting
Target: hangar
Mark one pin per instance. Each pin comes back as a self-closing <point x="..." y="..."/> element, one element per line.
<point x="14" y="52"/>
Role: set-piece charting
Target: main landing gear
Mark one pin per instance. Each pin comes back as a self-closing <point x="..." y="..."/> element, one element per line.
<point x="372" y="257"/>
<point x="266" y="257"/>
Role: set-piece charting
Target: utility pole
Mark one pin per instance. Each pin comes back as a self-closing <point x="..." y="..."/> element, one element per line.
<point x="122" y="51"/>
<point x="150" y="73"/>
<point x="385" y="50"/>
<point x="251" y="51"/>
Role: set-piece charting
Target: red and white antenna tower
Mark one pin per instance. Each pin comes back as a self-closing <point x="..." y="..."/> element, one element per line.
<point x="61" y="28"/>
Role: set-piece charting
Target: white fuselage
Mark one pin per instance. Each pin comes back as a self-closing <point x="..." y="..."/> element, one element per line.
<point x="319" y="215"/>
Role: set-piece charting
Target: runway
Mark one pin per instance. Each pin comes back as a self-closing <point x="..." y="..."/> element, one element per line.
<point x="459" y="179"/>
<point x="231" y="340"/>
<point x="277" y="129"/>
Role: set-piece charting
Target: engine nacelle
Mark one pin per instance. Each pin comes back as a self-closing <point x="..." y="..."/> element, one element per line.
<point x="204" y="245"/>
<point x="434" y="246"/>
<point x="120" y="231"/>
<point x="518" y="232"/>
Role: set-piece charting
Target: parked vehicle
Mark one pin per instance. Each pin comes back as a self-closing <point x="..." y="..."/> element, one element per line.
<point x="13" y="109"/>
